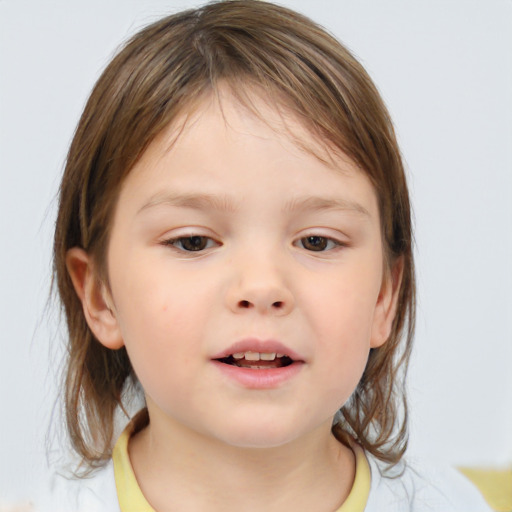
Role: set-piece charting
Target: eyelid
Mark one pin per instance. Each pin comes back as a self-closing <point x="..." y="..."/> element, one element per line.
<point x="339" y="241"/>
<point x="336" y="243"/>
<point x="171" y="240"/>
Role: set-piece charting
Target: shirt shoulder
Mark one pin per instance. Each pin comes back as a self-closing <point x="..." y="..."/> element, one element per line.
<point x="418" y="487"/>
<point x="94" y="493"/>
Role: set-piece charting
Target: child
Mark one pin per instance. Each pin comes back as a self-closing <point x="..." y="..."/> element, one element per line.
<point x="234" y="239"/>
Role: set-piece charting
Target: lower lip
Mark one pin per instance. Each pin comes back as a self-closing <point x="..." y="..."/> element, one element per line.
<point x="266" y="378"/>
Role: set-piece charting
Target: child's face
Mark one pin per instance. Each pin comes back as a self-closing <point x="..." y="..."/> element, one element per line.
<point x="237" y="241"/>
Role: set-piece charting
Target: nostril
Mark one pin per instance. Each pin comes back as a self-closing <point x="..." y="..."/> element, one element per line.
<point x="277" y="305"/>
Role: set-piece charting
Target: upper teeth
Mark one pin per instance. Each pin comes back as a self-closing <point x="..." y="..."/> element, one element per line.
<point x="257" y="356"/>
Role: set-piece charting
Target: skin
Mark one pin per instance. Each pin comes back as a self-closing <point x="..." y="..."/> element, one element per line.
<point x="259" y="277"/>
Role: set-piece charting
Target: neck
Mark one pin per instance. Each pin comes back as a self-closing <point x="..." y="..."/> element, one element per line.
<point x="180" y="469"/>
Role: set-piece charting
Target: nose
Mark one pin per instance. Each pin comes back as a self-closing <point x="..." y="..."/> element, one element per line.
<point x="260" y="284"/>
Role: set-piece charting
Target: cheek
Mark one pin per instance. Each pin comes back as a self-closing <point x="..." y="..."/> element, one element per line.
<point x="343" y="323"/>
<point x="162" y="339"/>
<point x="150" y="295"/>
<point x="344" y="306"/>
<point x="161" y="320"/>
<point x="343" y="350"/>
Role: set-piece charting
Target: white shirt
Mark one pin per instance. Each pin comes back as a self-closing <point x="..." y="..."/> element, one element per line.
<point x="417" y="489"/>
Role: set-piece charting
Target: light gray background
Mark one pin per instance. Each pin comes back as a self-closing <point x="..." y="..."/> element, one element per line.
<point x="445" y="71"/>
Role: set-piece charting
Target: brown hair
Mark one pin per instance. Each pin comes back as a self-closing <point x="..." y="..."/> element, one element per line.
<point x="160" y="73"/>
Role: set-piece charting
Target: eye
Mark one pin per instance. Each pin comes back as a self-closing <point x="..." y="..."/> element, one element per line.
<point x="194" y="243"/>
<point x="318" y="243"/>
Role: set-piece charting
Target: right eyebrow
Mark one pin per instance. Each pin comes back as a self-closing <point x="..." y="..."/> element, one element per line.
<point x="193" y="201"/>
<point x="314" y="203"/>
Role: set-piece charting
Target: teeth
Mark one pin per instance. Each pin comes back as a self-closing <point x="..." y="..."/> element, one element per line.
<point x="257" y="356"/>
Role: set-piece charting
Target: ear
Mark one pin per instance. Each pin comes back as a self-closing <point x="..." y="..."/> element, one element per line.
<point x="385" y="309"/>
<point x="96" y="300"/>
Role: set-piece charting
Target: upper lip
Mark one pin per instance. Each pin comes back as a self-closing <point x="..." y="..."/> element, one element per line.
<point x="258" y="345"/>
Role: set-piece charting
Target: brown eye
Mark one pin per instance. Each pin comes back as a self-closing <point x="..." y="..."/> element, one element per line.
<point x="315" y="243"/>
<point x="192" y="243"/>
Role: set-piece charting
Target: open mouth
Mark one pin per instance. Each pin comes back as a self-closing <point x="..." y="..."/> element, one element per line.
<point x="257" y="360"/>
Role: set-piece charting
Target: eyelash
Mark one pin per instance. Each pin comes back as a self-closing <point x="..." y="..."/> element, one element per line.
<point x="324" y="243"/>
<point x="173" y="242"/>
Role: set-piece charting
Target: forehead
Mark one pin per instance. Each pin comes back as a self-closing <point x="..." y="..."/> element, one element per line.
<point x="222" y="138"/>
<point x="250" y="110"/>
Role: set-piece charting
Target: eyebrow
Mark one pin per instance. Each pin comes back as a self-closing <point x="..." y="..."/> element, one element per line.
<point x="193" y="201"/>
<point x="226" y="203"/>
<point x="324" y="203"/>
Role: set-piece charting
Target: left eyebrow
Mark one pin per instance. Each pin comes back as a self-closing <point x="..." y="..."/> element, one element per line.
<point x="193" y="201"/>
<point x="324" y="203"/>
